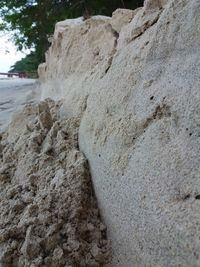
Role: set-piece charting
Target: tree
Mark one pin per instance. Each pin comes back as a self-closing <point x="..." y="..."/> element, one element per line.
<point x="32" y="21"/>
<point x="27" y="64"/>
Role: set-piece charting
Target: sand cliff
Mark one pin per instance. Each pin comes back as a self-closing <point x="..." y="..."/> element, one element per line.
<point x="130" y="92"/>
<point x="134" y="80"/>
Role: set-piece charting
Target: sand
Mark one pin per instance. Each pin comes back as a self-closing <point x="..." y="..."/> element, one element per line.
<point x="15" y="93"/>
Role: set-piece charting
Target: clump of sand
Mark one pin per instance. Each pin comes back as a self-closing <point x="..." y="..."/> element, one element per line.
<point x="48" y="212"/>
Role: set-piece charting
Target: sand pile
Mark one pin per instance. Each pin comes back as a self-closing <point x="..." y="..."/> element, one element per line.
<point x="49" y="216"/>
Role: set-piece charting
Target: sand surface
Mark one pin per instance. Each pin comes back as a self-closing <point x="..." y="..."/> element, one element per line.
<point x="15" y="93"/>
<point x="48" y="212"/>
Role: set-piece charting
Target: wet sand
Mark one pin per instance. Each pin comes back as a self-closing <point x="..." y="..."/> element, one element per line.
<point x="14" y="94"/>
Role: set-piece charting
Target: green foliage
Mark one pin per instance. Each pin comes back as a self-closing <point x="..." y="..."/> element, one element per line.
<point x="32" y="21"/>
<point x="27" y="64"/>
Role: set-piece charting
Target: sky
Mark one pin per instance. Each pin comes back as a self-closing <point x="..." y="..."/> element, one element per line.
<point x="8" y="54"/>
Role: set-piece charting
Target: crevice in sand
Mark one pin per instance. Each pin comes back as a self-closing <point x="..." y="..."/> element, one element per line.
<point x="114" y="50"/>
<point x="148" y="24"/>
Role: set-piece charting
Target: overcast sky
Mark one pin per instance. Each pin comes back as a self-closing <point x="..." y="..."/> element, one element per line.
<point x="8" y="54"/>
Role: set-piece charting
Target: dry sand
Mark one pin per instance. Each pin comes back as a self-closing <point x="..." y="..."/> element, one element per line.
<point x="48" y="212"/>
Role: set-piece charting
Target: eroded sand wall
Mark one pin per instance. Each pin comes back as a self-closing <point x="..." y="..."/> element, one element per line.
<point x="133" y="79"/>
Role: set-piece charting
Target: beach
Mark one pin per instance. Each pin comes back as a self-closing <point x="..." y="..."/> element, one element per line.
<point x="14" y="94"/>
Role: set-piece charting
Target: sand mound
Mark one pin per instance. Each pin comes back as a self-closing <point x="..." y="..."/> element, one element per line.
<point x="49" y="215"/>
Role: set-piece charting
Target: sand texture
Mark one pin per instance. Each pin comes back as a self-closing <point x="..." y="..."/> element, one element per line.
<point x="48" y="212"/>
<point x="134" y="82"/>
